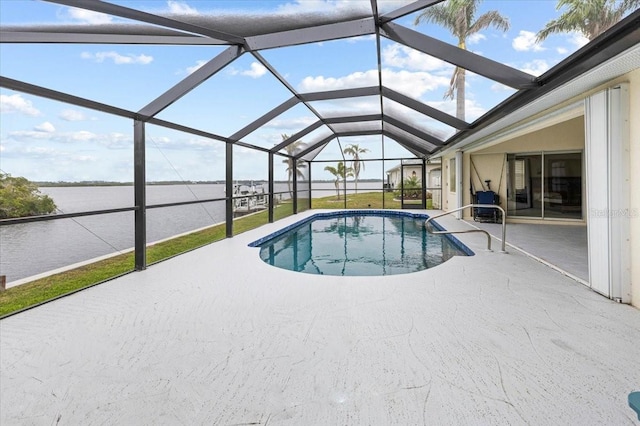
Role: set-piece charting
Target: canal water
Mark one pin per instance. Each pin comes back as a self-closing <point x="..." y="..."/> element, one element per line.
<point x="34" y="248"/>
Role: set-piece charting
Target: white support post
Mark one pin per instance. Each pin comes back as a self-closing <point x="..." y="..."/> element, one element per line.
<point x="459" y="191"/>
<point x="607" y="173"/>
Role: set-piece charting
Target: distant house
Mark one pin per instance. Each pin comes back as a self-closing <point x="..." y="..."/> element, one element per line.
<point x="412" y="167"/>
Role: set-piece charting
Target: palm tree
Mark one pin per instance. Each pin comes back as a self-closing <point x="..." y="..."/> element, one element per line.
<point x="354" y="151"/>
<point x="458" y="17"/>
<point x="292" y="149"/>
<point x="340" y="173"/>
<point x="588" y="17"/>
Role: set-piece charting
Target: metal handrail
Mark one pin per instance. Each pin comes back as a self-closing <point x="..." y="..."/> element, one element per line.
<point x="489" y="206"/>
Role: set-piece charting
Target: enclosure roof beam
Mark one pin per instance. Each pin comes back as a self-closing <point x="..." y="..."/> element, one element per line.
<point x="293" y="138"/>
<point x="284" y="82"/>
<point x="125" y="12"/>
<point x="360" y="133"/>
<point x="251" y="127"/>
<point x="412" y="130"/>
<point x="354" y="118"/>
<point x="415" y="148"/>
<point x="425" y="109"/>
<point x="314" y="146"/>
<point x="407" y="10"/>
<point x="42" y="92"/>
<point x="191" y="82"/>
<point x="329" y="120"/>
<point x="185" y="129"/>
<point x="459" y="57"/>
<point x="312" y="34"/>
<point x="614" y="41"/>
<point x="9" y="36"/>
<point x="374" y="9"/>
<point x="340" y="94"/>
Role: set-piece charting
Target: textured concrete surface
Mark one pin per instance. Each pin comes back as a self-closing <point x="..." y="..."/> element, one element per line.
<point x="564" y="246"/>
<point x="216" y="336"/>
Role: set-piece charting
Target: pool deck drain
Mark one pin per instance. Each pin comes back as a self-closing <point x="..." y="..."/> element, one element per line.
<point x="216" y="336"/>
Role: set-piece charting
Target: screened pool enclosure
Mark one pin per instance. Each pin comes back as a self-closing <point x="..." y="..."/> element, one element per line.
<point x="304" y="109"/>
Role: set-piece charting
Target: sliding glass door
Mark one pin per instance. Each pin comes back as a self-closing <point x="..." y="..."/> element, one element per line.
<point x="545" y="185"/>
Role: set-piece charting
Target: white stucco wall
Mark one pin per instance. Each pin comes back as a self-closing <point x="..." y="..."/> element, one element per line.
<point x="634" y="201"/>
<point x="568" y="135"/>
<point x="490" y="162"/>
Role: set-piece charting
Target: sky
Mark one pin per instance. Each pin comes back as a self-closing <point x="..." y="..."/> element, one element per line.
<point x="45" y="140"/>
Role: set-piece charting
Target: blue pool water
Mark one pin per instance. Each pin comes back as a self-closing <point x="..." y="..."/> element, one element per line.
<point x="359" y="243"/>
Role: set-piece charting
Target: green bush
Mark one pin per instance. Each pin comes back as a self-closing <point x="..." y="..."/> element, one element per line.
<point x="412" y="187"/>
<point x="20" y="198"/>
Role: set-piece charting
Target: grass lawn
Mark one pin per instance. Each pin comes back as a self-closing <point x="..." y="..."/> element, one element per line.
<point x="364" y="200"/>
<point x="36" y="292"/>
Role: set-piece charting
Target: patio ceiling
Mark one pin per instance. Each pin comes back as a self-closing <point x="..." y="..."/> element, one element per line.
<point x="254" y="34"/>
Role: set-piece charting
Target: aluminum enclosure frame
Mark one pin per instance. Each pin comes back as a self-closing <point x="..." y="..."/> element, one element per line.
<point x="169" y="30"/>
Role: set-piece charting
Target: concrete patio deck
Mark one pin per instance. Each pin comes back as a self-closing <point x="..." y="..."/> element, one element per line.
<point x="216" y="336"/>
<point x="564" y="246"/>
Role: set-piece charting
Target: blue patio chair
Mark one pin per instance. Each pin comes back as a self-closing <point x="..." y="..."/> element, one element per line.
<point x="484" y="214"/>
<point x="634" y="402"/>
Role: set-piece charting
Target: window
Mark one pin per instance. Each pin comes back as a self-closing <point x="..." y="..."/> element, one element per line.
<point x="452" y="175"/>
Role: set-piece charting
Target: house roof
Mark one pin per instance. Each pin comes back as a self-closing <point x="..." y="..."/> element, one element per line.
<point x="415" y="125"/>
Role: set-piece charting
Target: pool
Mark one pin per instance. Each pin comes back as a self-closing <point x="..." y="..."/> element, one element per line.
<point x="359" y="243"/>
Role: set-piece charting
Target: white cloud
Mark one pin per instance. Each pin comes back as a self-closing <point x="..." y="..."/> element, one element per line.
<point x="117" y="58"/>
<point x="291" y="123"/>
<point x="414" y="84"/>
<point x="472" y="109"/>
<point x="47" y="132"/>
<point x="45" y="127"/>
<point x="16" y="103"/>
<point x="81" y="136"/>
<point x="562" y="50"/>
<point x="476" y="38"/>
<point x="578" y="40"/>
<point x="399" y="56"/>
<point x="39" y="152"/>
<point x="199" y="64"/>
<point x="89" y="16"/>
<point x="368" y="37"/>
<point x="499" y="87"/>
<point x="339" y="107"/>
<point x="115" y="140"/>
<point x="55" y="157"/>
<point x="83" y="158"/>
<point x="193" y="143"/>
<point x="72" y="115"/>
<point x="356" y="79"/>
<point x="337" y="7"/>
<point x="535" y="67"/>
<point x="26" y="135"/>
<point x="181" y="8"/>
<point x="256" y="70"/>
<point x="526" y="41"/>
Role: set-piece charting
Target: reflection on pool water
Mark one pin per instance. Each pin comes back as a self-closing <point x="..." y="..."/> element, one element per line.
<point x="359" y="243"/>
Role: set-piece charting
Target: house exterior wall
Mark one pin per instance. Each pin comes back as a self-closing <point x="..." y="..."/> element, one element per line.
<point x="395" y="178"/>
<point x="448" y="197"/>
<point x="490" y="163"/>
<point x="568" y="135"/>
<point x="634" y="200"/>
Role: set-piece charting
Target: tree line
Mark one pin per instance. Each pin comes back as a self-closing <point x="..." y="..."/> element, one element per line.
<point x="20" y="197"/>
